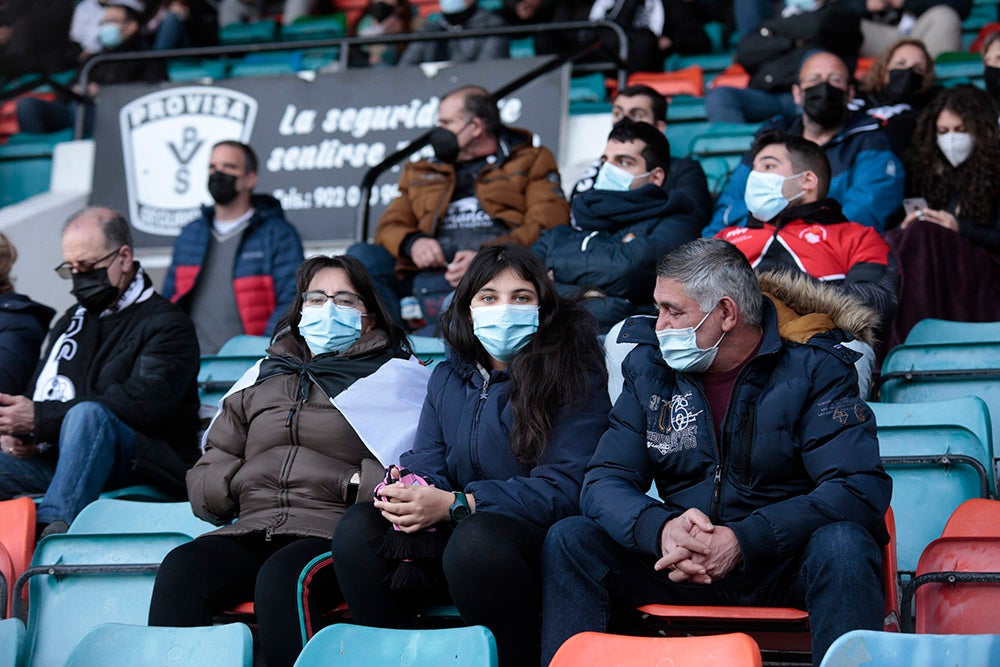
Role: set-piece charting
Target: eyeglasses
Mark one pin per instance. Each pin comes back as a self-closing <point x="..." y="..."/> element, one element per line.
<point x="315" y="299"/>
<point x="66" y="269"/>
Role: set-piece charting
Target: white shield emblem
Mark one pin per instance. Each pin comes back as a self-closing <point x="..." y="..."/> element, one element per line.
<point x="166" y="140"/>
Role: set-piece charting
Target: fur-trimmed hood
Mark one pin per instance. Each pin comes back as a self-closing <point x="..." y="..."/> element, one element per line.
<point x="807" y="307"/>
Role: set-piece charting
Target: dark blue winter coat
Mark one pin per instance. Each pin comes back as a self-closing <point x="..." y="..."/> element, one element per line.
<point x="23" y="325"/>
<point x="798" y="449"/>
<point x="615" y="239"/>
<point x="866" y="177"/>
<point x="463" y="444"/>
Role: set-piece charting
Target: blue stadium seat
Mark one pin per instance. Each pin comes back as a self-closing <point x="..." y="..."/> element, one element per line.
<point x="128" y="516"/>
<point x="681" y="135"/>
<point x="233" y="34"/>
<point x="938" y="455"/>
<point x="428" y="349"/>
<point x="686" y="108"/>
<point x="218" y="372"/>
<point x="346" y="645"/>
<point x="868" y="648"/>
<point x="77" y="582"/>
<point x="11" y="642"/>
<point x="306" y="28"/>
<point x="25" y="171"/>
<point x="933" y="331"/>
<point x="196" y="70"/>
<point x="269" y="63"/>
<point x="122" y="645"/>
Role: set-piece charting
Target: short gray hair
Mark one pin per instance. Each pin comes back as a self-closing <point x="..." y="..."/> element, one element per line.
<point x="710" y="269"/>
<point x="114" y="225"/>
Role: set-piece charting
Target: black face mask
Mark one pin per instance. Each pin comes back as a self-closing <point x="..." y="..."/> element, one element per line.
<point x="222" y="187"/>
<point x="826" y="104"/>
<point x="93" y="290"/>
<point x="903" y="83"/>
<point x="380" y="11"/>
<point x="445" y="144"/>
<point x="991" y="75"/>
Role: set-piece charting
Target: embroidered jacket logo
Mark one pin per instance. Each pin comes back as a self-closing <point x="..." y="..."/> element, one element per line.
<point x="672" y="425"/>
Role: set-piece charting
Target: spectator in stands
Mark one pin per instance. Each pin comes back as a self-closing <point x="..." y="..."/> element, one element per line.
<point x="867" y="178"/>
<point x="794" y="516"/>
<point x="458" y="15"/>
<point x="233" y="269"/>
<point x="643" y="104"/>
<point x="948" y="243"/>
<point x="794" y="226"/>
<point x="936" y="23"/>
<point x="172" y="25"/>
<point x="286" y="492"/>
<point x="85" y="26"/>
<point x="621" y="227"/>
<point x="23" y="324"/>
<point x="119" y="32"/>
<point x="534" y="12"/>
<point x="248" y="11"/>
<point x="991" y="65"/>
<point x="381" y="17"/>
<point x="897" y="87"/>
<point x="487" y="185"/>
<point x="114" y="401"/>
<point x="655" y="29"/>
<point x="33" y="36"/>
<point x="510" y="421"/>
<point x="773" y="55"/>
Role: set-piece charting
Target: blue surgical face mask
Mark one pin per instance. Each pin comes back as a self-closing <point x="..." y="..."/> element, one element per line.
<point x="452" y="6"/>
<point x="109" y="35"/>
<point x="764" y="197"/>
<point x="680" y="350"/>
<point x="801" y="5"/>
<point x="329" y="328"/>
<point x="614" y="178"/>
<point x="504" y="330"/>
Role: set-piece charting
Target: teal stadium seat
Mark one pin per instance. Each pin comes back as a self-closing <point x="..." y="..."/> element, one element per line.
<point x="427" y="349"/>
<point x="307" y="28"/>
<point x="262" y="31"/>
<point x="522" y="47"/>
<point x="933" y="331"/>
<point x="197" y="70"/>
<point x="218" y="372"/>
<point x="77" y="582"/>
<point x="25" y="170"/>
<point x="346" y="645"/>
<point x="122" y="645"/>
<point x="128" y="516"/>
<point x="953" y="68"/>
<point x="938" y="455"/>
<point x="868" y="648"/>
<point x="11" y="642"/>
<point x="270" y="63"/>
<point x="686" y="108"/>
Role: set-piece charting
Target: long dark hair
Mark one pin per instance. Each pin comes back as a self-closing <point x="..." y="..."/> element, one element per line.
<point x="977" y="180"/>
<point x="555" y="370"/>
<point x="358" y="275"/>
<point x="874" y="79"/>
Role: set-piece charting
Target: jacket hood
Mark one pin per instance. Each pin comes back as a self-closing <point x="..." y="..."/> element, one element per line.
<point x="806" y="307"/>
<point x="609" y="211"/>
<point x="19" y="303"/>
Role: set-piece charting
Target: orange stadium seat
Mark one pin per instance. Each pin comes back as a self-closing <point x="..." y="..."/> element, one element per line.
<point x="733" y="76"/>
<point x="596" y="648"/>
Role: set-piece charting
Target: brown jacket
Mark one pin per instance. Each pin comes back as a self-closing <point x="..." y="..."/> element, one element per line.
<point x="276" y="478"/>
<point x="522" y="189"/>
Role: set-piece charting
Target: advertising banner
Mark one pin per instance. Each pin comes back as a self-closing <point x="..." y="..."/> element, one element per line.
<point x="315" y="136"/>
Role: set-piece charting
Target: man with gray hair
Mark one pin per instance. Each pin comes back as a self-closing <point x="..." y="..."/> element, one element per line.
<point x="114" y="400"/>
<point x="761" y="450"/>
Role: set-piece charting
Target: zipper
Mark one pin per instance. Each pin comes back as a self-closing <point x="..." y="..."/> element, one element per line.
<point x="473" y="438"/>
<point x="291" y="423"/>
<point x="442" y="202"/>
<point x="722" y="449"/>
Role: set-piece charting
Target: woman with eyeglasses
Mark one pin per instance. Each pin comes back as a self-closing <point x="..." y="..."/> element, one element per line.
<point x="509" y="422"/>
<point x="282" y="464"/>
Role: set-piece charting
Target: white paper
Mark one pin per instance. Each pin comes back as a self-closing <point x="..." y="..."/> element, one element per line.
<point x="384" y="407"/>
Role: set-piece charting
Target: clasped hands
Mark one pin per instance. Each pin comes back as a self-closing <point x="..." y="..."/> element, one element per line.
<point x="17" y="416"/>
<point x="694" y="549"/>
<point x="412" y="507"/>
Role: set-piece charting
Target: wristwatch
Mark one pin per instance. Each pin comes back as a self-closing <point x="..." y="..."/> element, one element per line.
<point x="460" y="508"/>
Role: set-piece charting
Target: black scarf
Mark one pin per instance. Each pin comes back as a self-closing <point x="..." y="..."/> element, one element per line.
<point x="331" y="372"/>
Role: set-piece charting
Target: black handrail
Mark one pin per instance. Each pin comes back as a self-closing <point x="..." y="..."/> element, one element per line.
<point x="345" y="43"/>
<point x="38" y="81"/>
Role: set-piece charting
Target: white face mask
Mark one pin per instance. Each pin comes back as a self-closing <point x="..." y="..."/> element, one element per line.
<point x="679" y="348"/>
<point x="764" y="194"/>
<point x="956" y="146"/>
<point x="614" y="178"/>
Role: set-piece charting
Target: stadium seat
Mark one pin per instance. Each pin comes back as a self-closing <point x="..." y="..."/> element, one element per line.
<point x="953" y="68"/>
<point x="589" y="88"/>
<point x="143" y="492"/>
<point x="25" y="171"/>
<point x="686" y="108"/>
<point x="687" y="81"/>
<point x="588" y="649"/>
<point x="218" y="372"/>
<point x="957" y="587"/>
<point x="428" y="349"/>
<point x="347" y="645"/>
<point x="978" y="517"/>
<point x="77" y="582"/>
<point x="126" y="516"/>
<point x="307" y="28"/>
<point x="867" y="648"/>
<point x="733" y="76"/>
<point x="11" y="642"/>
<point x="710" y="63"/>
<point x="7" y="579"/>
<point x="522" y="47"/>
<point x="938" y="456"/>
<point x="718" y="171"/>
<point x="17" y="535"/>
<point x="196" y="70"/>
<point x="931" y="331"/>
<point x="122" y="645"/>
<point x="268" y="64"/>
<point x="680" y="135"/>
<point x="724" y="139"/>
<point x="235" y="34"/>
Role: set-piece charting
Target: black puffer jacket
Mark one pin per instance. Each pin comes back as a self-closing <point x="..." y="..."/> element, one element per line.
<point x="23" y="324"/>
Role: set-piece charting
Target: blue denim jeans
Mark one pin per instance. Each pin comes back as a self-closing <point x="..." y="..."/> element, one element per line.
<point x="95" y="450"/>
<point x="587" y="575"/>
<point x="747" y="105"/>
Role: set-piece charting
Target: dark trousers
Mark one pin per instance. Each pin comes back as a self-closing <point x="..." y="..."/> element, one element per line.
<point x="588" y="575"/>
<point x="209" y="575"/>
<point x="491" y="564"/>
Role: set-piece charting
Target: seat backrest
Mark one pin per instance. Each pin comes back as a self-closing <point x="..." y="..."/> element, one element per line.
<point x="11" y="642"/>
<point x="129" y="516"/>
<point x="926" y="492"/>
<point x="7" y="573"/>
<point x="343" y="645"/>
<point x="959" y="608"/>
<point x="976" y="517"/>
<point x="596" y="648"/>
<point x="933" y="331"/>
<point x="866" y="648"/>
<point x="123" y="645"/>
<point x="17" y="531"/>
<point x="65" y="606"/>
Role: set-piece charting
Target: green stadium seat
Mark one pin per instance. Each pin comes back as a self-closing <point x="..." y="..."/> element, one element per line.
<point x="347" y="645"/>
<point x="681" y="135"/>
<point x="522" y="47"/>
<point x="724" y="139"/>
<point x="268" y="64"/>
<point x="218" y="372"/>
<point x="710" y="63"/>
<point x="262" y="31"/>
<point x="307" y="28"/>
<point x="11" y="642"/>
<point x="123" y="645"/>
<point x="106" y="515"/>
<point x="196" y="70"/>
<point x="315" y="59"/>
<point x="25" y="170"/>
<point x="589" y="88"/>
<point x="686" y="108"/>
<point x="428" y="349"/>
<point x="868" y="648"/>
<point x="953" y="68"/>
<point x="718" y="170"/>
<point x="933" y="331"/>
